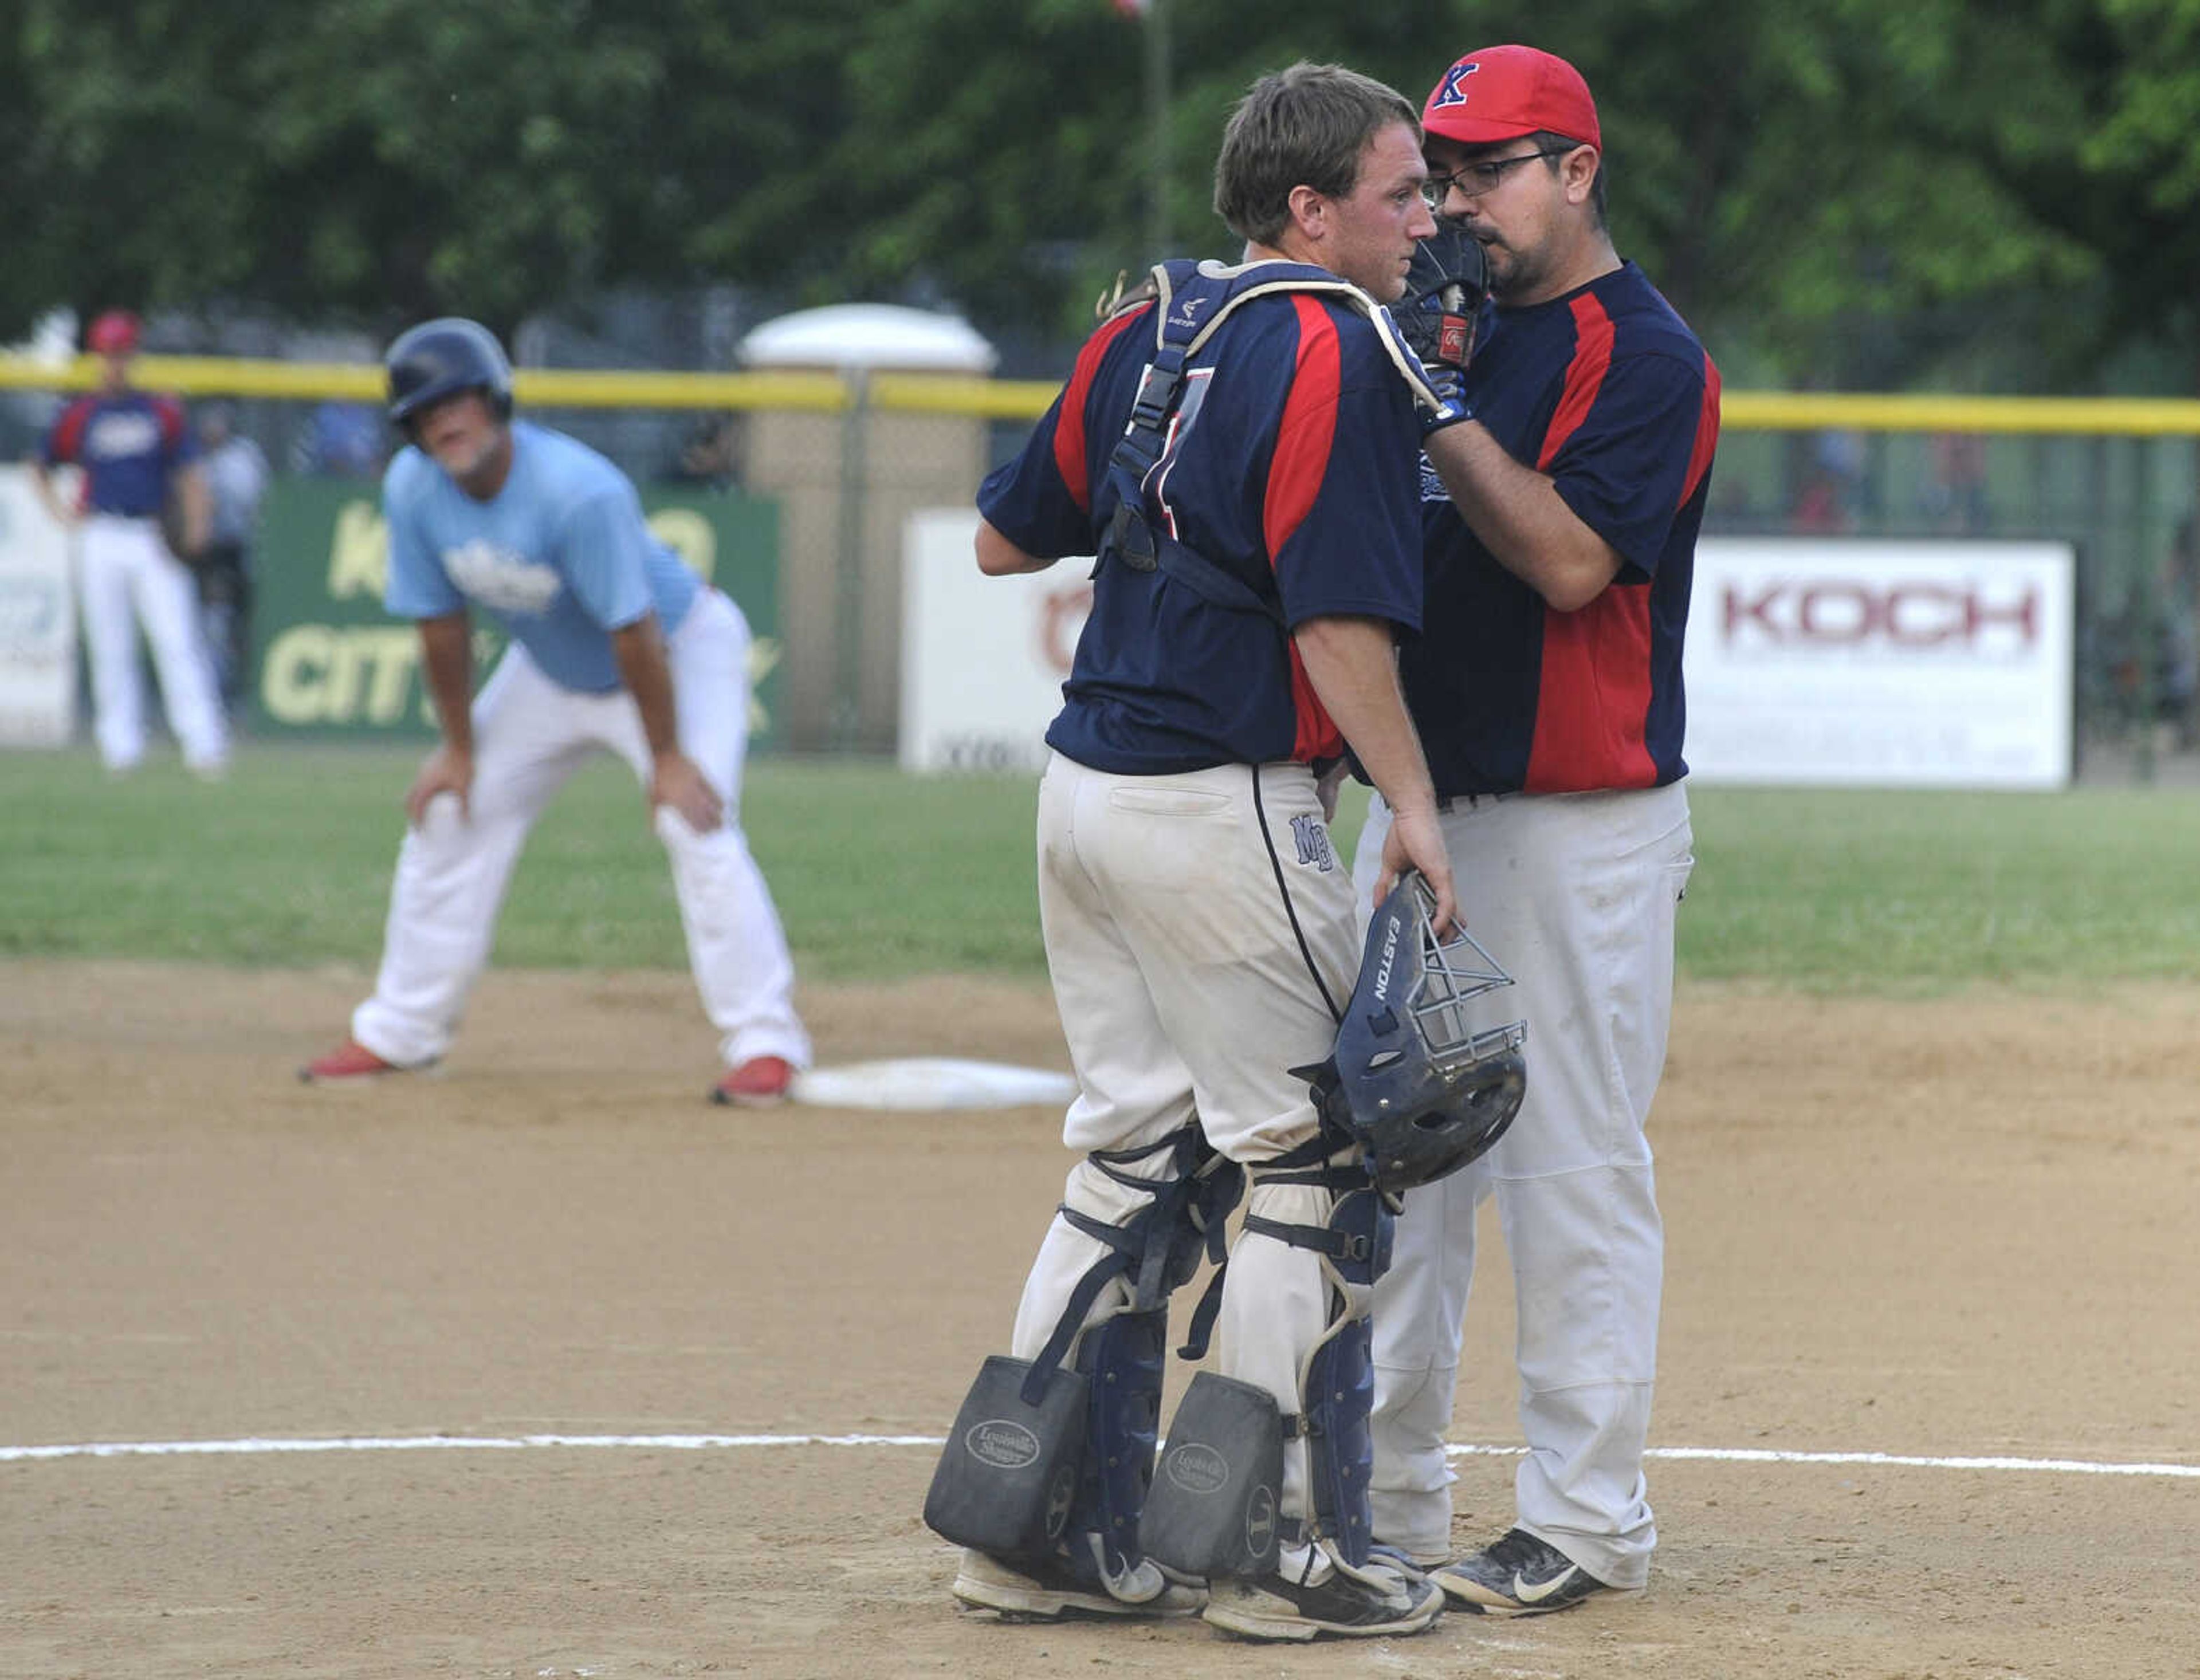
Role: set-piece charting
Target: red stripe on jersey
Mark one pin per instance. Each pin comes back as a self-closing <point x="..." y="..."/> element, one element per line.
<point x="1303" y="438"/>
<point x="1592" y="699"/>
<point x="68" y="430"/>
<point x="1584" y="376"/>
<point x="1070" y="425"/>
<point x="1307" y="429"/>
<point x="1592" y="708"/>
<point x="1317" y="737"/>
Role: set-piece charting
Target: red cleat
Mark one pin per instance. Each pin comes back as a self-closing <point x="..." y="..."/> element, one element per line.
<point x="759" y="1082"/>
<point x="349" y="1062"/>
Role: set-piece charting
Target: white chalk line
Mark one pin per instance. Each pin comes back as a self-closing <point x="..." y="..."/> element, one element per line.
<point x="455" y="1443"/>
<point x="2071" y="1467"/>
<point x="2074" y="1466"/>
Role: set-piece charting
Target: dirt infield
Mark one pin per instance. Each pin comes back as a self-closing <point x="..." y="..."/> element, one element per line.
<point x="1951" y="1230"/>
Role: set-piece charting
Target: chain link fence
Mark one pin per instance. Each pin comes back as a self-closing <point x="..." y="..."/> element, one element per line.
<point x="840" y="460"/>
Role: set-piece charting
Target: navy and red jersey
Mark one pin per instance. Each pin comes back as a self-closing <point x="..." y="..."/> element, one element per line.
<point x="1607" y="391"/>
<point x="127" y="444"/>
<point x="1289" y="462"/>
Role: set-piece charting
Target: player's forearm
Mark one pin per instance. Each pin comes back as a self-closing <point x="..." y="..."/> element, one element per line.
<point x="42" y="483"/>
<point x="198" y="508"/>
<point x="640" y="650"/>
<point x="447" y="666"/>
<point x="1521" y="518"/>
<point x="999" y="557"/>
<point x="1353" y="665"/>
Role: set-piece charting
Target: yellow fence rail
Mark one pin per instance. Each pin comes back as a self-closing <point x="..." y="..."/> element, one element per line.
<point x="828" y="392"/>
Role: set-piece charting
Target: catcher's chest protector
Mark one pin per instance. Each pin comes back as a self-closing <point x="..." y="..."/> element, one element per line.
<point x="1191" y="300"/>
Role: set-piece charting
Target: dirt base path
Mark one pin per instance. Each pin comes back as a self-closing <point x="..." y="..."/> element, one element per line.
<point x="1957" y="1232"/>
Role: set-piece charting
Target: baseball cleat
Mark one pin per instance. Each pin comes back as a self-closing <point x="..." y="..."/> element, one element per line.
<point x="1401" y="1562"/>
<point x="349" y="1062"/>
<point x="759" y="1082"/>
<point x="1519" y="1576"/>
<point x="1031" y="1591"/>
<point x="1373" y="1604"/>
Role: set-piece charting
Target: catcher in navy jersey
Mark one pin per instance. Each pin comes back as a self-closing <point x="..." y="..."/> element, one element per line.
<point x="1238" y="447"/>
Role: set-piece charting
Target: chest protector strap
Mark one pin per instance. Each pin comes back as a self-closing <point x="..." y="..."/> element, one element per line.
<point x="1190" y="302"/>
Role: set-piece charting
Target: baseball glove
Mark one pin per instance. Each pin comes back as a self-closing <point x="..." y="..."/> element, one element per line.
<point x="1444" y="290"/>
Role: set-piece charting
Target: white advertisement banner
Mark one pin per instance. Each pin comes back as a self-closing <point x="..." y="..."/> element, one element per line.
<point x="38" y="621"/>
<point x="1848" y="662"/>
<point x="982" y="658"/>
<point x="1811" y="661"/>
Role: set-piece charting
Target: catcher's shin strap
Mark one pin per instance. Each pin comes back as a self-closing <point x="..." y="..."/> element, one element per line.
<point x="1158" y="1247"/>
<point x="1190" y="302"/>
<point x="1326" y="1161"/>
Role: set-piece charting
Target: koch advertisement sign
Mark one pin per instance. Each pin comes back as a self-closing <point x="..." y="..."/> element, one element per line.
<point x="1810" y="663"/>
<point x="1851" y="662"/>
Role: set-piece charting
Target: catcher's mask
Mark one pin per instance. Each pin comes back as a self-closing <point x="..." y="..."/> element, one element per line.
<point x="1411" y="1080"/>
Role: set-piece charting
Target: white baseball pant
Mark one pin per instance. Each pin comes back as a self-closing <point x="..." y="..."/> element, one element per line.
<point x="1182" y="975"/>
<point x="529" y="737"/>
<point x="129" y="578"/>
<point x="1574" y="894"/>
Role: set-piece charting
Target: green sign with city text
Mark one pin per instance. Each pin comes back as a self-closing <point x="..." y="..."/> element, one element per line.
<point x="327" y="660"/>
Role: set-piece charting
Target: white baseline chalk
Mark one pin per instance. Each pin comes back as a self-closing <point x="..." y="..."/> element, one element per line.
<point x="2078" y="1467"/>
<point x="453" y="1443"/>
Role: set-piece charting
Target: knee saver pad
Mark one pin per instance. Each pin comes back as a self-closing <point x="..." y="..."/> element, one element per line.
<point x="1008" y="1474"/>
<point x="1340" y="1395"/>
<point x="1121" y="1360"/>
<point x="1214" y="1507"/>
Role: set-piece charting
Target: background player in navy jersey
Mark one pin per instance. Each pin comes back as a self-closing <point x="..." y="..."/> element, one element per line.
<point x="1200" y="931"/>
<point x="1547" y="687"/>
<point x="615" y="647"/>
<point x="135" y="449"/>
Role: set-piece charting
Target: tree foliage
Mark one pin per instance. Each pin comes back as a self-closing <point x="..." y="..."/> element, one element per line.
<point x="1865" y="192"/>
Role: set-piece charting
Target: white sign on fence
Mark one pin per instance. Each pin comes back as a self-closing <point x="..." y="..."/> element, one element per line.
<point x="37" y="623"/>
<point x="1827" y="661"/>
<point x="1848" y="662"/>
<point x="982" y="658"/>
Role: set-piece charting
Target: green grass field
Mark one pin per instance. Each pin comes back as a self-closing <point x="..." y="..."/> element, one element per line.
<point x="879" y="875"/>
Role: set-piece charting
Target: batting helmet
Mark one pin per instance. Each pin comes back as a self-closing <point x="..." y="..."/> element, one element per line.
<point x="1411" y="1080"/>
<point x="112" y="334"/>
<point x="439" y="359"/>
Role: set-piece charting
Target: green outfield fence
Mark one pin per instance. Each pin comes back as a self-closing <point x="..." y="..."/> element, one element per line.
<point x="804" y="512"/>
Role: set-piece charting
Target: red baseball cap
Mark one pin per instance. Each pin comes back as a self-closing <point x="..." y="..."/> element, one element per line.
<point x="113" y="333"/>
<point x="1502" y="93"/>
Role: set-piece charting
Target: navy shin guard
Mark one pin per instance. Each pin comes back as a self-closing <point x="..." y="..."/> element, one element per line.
<point x="1340" y="1393"/>
<point x="1121" y="1360"/>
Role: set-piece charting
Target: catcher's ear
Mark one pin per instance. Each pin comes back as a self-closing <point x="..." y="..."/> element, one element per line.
<point x="1310" y="213"/>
